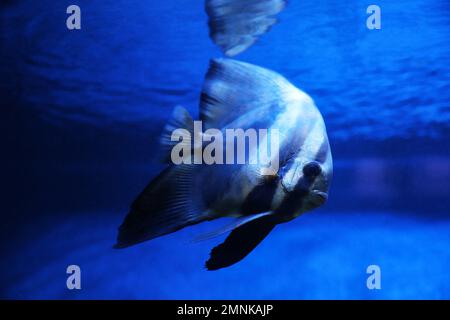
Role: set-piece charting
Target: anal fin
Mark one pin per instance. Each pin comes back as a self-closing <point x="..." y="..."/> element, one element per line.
<point x="240" y="242"/>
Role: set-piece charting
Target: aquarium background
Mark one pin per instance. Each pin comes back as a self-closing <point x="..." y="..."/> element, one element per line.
<point x="81" y="115"/>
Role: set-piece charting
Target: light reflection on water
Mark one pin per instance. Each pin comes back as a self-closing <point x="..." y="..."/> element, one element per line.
<point x="133" y="62"/>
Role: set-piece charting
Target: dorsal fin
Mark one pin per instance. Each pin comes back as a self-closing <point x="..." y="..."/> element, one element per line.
<point x="233" y="88"/>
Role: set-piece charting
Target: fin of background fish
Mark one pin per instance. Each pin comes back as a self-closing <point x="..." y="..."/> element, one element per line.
<point x="167" y="204"/>
<point x="233" y="89"/>
<point x="235" y="25"/>
<point x="240" y="242"/>
<point x="235" y="224"/>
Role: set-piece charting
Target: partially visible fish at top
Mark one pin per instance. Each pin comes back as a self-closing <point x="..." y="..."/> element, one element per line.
<point x="235" y="25"/>
<point x="238" y="95"/>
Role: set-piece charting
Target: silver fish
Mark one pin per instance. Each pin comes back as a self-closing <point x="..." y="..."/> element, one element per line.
<point x="239" y="95"/>
<point x="235" y="25"/>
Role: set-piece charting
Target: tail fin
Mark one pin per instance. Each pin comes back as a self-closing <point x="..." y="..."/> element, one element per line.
<point x="167" y="204"/>
<point x="181" y="120"/>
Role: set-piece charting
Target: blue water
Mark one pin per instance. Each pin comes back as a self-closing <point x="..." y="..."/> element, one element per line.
<point x="81" y="117"/>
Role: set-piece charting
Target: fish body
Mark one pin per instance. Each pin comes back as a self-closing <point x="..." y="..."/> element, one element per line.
<point x="238" y="95"/>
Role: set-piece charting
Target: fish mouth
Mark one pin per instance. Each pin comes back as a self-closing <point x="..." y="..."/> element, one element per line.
<point x="322" y="195"/>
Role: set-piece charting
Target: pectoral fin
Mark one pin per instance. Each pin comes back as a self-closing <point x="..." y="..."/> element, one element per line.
<point x="240" y="242"/>
<point x="235" y="224"/>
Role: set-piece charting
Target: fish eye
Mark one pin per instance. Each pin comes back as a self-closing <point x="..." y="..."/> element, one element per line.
<point x="312" y="169"/>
